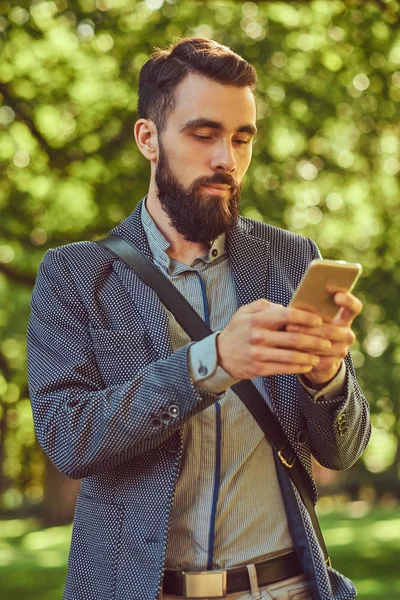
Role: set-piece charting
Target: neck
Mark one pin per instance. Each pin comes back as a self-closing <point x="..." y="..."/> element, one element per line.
<point x="180" y="249"/>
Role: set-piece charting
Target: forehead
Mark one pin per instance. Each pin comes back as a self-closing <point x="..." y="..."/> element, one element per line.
<point x="198" y="97"/>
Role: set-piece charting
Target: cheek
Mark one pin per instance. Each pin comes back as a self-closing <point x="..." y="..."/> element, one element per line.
<point x="244" y="164"/>
<point x="187" y="163"/>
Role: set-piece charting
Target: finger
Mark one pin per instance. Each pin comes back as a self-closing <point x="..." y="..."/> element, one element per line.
<point x="277" y="317"/>
<point x="262" y="354"/>
<point x="337" y="351"/>
<point x="301" y="317"/>
<point x="299" y="341"/>
<point x="327" y="331"/>
<point x="326" y="363"/>
<point x="350" y="308"/>
<point x="281" y="369"/>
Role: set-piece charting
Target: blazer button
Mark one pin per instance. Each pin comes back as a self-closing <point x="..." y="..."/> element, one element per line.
<point x="156" y="422"/>
<point x="174" y="411"/>
<point x="165" y="416"/>
<point x="302" y="436"/>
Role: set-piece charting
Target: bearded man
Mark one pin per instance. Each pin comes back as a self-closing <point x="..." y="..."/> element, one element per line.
<point x="179" y="482"/>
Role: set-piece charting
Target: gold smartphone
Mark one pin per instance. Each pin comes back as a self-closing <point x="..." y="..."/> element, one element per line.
<point x="312" y="295"/>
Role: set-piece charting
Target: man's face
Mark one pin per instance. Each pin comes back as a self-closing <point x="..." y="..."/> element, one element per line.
<point x="204" y="152"/>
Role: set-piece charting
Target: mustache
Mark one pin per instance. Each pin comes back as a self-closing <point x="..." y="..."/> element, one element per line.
<point x="222" y="178"/>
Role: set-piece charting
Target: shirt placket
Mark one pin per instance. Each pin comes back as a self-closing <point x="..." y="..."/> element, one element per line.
<point x="212" y="436"/>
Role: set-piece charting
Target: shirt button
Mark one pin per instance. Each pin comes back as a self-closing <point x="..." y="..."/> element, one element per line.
<point x="174" y="410"/>
<point x="156" y="422"/>
<point x="214" y="252"/>
<point x="202" y="370"/>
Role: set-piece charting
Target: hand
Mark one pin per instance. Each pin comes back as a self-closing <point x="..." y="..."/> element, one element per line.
<point x="255" y="343"/>
<point x="340" y="334"/>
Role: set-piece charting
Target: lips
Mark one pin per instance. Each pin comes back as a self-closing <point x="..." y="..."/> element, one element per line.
<point x="217" y="188"/>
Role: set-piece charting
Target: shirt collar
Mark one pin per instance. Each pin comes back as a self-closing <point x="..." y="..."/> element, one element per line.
<point x="159" y="244"/>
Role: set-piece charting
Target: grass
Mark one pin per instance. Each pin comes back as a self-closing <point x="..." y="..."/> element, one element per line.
<point x="364" y="544"/>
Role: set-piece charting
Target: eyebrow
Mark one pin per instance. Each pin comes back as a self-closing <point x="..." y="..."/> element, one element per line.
<point x="200" y="122"/>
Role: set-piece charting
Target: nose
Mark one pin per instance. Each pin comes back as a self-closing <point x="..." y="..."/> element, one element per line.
<point x="224" y="158"/>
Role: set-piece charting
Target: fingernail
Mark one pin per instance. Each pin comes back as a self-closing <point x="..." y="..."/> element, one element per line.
<point x="326" y="344"/>
<point x="315" y="361"/>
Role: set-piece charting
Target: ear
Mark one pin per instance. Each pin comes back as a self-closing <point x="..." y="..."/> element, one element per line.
<point x="147" y="139"/>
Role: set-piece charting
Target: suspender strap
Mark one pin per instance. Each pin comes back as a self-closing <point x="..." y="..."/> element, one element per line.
<point x="196" y="328"/>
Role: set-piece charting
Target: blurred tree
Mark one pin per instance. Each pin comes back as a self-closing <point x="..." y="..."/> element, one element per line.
<point x="325" y="164"/>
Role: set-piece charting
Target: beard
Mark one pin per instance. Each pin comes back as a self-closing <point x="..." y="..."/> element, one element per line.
<point x="198" y="217"/>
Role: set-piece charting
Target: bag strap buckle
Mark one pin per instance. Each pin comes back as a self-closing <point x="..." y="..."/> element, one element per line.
<point x="289" y="460"/>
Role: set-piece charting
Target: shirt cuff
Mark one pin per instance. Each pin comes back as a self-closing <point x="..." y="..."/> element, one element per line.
<point x="204" y="369"/>
<point x="332" y="389"/>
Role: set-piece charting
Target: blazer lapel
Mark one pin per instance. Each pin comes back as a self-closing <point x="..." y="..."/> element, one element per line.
<point x="257" y="277"/>
<point x="146" y="300"/>
<point x="248" y="256"/>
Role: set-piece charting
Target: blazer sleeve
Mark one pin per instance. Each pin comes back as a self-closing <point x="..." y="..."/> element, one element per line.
<point x="339" y="428"/>
<point x="84" y="426"/>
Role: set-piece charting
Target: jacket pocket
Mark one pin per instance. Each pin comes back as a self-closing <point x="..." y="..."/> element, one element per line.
<point x="94" y="553"/>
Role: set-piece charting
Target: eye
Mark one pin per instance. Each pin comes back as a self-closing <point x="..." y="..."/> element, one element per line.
<point x="201" y="137"/>
<point x="240" y="142"/>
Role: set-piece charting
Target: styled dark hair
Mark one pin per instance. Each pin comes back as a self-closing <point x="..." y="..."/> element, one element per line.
<point x="165" y="69"/>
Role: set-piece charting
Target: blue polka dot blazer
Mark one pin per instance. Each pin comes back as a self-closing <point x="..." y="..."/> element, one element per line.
<point x="101" y="371"/>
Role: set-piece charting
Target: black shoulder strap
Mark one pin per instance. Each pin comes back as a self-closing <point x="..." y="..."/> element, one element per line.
<point x="195" y="327"/>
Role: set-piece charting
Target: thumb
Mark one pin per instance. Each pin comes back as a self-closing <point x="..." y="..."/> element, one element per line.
<point x="344" y="318"/>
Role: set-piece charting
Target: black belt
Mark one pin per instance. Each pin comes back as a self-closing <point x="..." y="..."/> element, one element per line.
<point x="237" y="578"/>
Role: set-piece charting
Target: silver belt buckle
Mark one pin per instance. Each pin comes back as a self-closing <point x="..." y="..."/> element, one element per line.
<point x="204" y="584"/>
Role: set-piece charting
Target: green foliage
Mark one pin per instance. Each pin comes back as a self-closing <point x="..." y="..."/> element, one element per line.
<point x="325" y="164"/>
